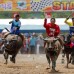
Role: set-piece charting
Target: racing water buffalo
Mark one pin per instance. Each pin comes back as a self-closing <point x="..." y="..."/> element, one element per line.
<point x="53" y="47"/>
<point x="11" y="44"/>
<point x="69" y="49"/>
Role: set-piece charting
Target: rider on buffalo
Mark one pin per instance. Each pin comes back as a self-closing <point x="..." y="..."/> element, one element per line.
<point x="52" y="30"/>
<point x="16" y="24"/>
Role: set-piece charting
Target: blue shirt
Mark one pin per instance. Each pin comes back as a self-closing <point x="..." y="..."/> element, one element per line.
<point x="71" y="29"/>
<point x="15" y="24"/>
<point x="33" y="41"/>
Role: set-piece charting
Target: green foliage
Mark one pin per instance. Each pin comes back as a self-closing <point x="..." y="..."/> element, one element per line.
<point x="9" y="14"/>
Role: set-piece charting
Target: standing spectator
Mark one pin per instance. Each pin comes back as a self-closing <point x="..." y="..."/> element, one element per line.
<point x="33" y="44"/>
<point x="40" y="42"/>
<point x="27" y="45"/>
<point x="23" y="47"/>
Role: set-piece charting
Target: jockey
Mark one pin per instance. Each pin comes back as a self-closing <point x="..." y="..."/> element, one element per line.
<point x="52" y="30"/>
<point x="16" y="24"/>
<point x="71" y="25"/>
<point x="71" y="42"/>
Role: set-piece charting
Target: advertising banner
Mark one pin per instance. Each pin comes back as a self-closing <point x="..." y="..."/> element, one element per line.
<point x="36" y="5"/>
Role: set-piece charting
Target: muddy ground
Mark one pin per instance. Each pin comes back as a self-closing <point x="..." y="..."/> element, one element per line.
<point x="33" y="64"/>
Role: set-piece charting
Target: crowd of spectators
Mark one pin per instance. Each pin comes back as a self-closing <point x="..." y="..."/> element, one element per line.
<point x="33" y="44"/>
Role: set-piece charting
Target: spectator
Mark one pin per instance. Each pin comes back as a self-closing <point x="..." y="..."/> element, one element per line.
<point x="33" y="44"/>
<point x="27" y="45"/>
<point x="40" y="42"/>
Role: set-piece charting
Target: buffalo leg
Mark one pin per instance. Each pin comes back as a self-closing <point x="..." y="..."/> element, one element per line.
<point x="6" y="57"/>
<point x="54" y="58"/>
<point x="13" y="57"/>
<point x="48" y="59"/>
<point x="67" y="56"/>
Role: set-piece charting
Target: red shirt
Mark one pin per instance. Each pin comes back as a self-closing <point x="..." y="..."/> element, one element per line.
<point x="49" y="29"/>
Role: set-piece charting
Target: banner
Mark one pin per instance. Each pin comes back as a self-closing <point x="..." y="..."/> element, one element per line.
<point x="36" y="5"/>
<point x="14" y="5"/>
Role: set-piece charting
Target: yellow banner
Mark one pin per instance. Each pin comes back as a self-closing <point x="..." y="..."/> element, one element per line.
<point x="36" y="5"/>
<point x="25" y="5"/>
<point x="15" y="5"/>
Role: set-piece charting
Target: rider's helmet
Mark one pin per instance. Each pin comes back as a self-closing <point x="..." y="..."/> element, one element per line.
<point x="17" y="15"/>
<point x="14" y="15"/>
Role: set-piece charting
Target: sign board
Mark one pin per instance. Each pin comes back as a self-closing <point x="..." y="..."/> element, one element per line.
<point x="36" y="5"/>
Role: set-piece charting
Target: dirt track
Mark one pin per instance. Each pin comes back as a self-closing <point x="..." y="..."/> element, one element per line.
<point x="32" y="64"/>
